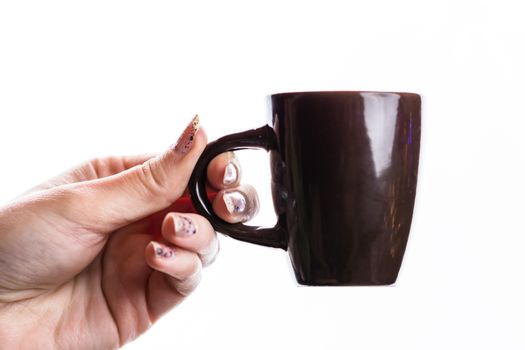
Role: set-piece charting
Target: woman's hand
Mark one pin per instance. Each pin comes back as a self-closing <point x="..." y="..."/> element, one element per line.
<point x="90" y="259"/>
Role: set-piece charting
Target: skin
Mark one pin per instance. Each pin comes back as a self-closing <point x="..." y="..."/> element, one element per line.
<point x="79" y="267"/>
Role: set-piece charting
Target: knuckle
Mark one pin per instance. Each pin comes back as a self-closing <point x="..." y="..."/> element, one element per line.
<point x="151" y="178"/>
<point x="106" y="166"/>
<point x="187" y="286"/>
<point x="209" y="257"/>
<point x="195" y="265"/>
<point x="191" y="267"/>
<point x="94" y="166"/>
<point x="208" y="242"/>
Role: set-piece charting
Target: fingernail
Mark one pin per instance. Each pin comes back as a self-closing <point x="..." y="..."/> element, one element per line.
<point x="185" y="141"/>
<point x="235" y="202"/>
<point x="230" y="174"/>
<point x="162" y="251"/>
<point x="184" y="226"/>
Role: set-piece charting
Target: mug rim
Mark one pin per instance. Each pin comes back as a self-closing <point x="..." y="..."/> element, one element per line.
<point x="344" y="92"/>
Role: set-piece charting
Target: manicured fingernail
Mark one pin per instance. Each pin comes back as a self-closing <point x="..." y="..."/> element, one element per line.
<point x="162" y="251"/>
<point x="185" y="141"/>
<point x="235" y="202"/>
<point x="184" y="226"/>
<point x="230" y="174"/>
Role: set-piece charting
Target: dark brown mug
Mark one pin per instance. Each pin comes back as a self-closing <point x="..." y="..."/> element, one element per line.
<point x="344" y="170"/>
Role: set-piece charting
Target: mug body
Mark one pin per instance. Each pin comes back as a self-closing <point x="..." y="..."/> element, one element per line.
<point x="344" y="175"/>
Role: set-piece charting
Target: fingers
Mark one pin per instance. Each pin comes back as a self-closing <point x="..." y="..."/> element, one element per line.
<point x="93" y="169"/>
<point x="234" y="202"/>
<point x="177" y="272"/>
<point x="189" y="244"/>
<point x="143" y="189"/>
<point x="224" y="171"/>
<point x="102" y="167"/>
<point x="182" y="265"/>
<point x="238" y="204"/>
<point x="191" y="232"/>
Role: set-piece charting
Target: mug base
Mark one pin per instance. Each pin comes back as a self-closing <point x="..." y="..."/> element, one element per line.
<point x="343" y="283"/>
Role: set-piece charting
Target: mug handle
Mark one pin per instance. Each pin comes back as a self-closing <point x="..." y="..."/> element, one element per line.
<point x="262" y="137"/>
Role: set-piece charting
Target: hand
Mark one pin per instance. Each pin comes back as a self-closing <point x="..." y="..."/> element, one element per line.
<point x="90" y="259"/>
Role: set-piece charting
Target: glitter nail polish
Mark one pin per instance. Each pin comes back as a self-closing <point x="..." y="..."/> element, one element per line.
<point x="185" y="141"/>
<point x="163" y="252"/>
<point x="230" y="174"/>
<point x="184" y="226"/>
<point x="235" y="202"/>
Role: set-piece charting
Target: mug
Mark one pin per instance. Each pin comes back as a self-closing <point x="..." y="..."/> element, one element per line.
<point x="344" y="171"/>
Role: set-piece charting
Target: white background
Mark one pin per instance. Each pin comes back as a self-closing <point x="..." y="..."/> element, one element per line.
<point x="93" y="78"/>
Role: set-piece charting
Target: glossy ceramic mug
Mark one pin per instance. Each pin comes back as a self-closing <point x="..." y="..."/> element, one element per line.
<point x="344" y="170"/>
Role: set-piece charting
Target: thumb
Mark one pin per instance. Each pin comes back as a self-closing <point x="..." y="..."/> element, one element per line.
<point x="112" y="202"/>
